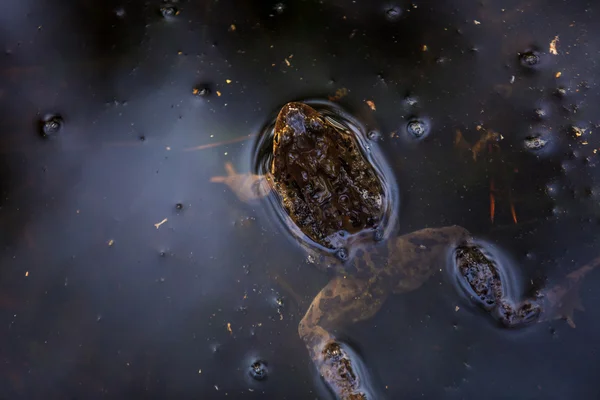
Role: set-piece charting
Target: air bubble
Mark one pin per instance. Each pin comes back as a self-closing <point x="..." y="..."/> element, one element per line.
<point x="201" y="91"/>
<point x="51" y="125"/>
<point x="374" y="135"/>
<point x="417" y="128"/>
<point x="120" y="12"/>
<point x="258" y="370"/>
<point x="179" y="206"/>
<point x="535" y="142"/>
<point x="540" y="113"/>
<point x="393" y="13"/>
<point x="529" y="59"/>
<point x="411" y="101"/>
<point x="279" y="8"/>
<point x="169" y="11"/>
<point x="342" y="254"/>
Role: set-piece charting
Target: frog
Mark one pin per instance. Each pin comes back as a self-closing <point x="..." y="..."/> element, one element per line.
<point x="335" y="204"/>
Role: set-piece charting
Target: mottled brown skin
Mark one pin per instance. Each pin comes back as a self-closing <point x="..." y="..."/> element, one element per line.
<point x="324" y="182"/>
<point x="412" y="259"/>
<point x="482" y="277"/>
<point x="326" y="186"/>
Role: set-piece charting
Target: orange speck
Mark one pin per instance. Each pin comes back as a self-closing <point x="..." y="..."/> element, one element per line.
<point x="228" y="80"/>
<point x="371" y="105"/>
<point x="26" y="273"/>
<point x="553" y="43"/>
<point x="229" y="327"/>
<point x="195" y="91"/>
<point x="218" y="93"/>
<point x="513" y="212"/>
<point x="339" y="94"/>
<point x="558" y="74"/>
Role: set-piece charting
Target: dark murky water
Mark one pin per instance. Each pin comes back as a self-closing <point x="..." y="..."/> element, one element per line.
<point x="126" y="273"/>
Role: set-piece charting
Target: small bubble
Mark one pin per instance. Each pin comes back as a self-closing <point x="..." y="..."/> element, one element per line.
<point x="120" y="12"/>
<point x="540" y="113"/>
<point x="162" y="254"/>
<point x="342" y="254"/>
<point x="529" y="59"/>
<point x="258" y="370"/>
<point x="374" y="135"/>
<point x="417" y="128"/>
<point x="411" y="101"/>
<point x="168" y="11"/>
<point x="279" y="302"/>
<point x="279" y="8"/>
<point x="202" y="91"/>
<point x="535" y="142"/>
<point x="393" y="13"/>
<point x="51" y="125"/>
<point x="179" y="206"/>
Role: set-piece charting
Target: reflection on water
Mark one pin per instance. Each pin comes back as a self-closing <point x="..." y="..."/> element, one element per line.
<point x="126" y="272"/>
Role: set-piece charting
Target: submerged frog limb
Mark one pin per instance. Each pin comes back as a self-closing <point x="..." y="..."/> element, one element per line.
<point x="344" y="300"/>
<point x="247" y="187"/>
<point x="563" y="299"/>
<point x="413" y="258"/>
<point x="481" y="278"/>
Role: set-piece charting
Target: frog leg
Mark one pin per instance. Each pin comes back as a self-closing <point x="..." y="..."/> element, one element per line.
<point x="344" y="300"/>
<point x="247" y="187"/>
<point x="416" y="256"/>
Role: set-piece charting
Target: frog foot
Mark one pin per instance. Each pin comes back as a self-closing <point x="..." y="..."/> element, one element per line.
<point x="247" y="187"/>
<point x="563" y="300"/>
<point x="337" y="368"/>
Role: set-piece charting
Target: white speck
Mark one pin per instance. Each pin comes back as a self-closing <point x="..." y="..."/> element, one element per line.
<point x="216" y="387"/>
<point x="476" y="22"/>
<point x="512" y="79"/>
<point x="225" y="153"/>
